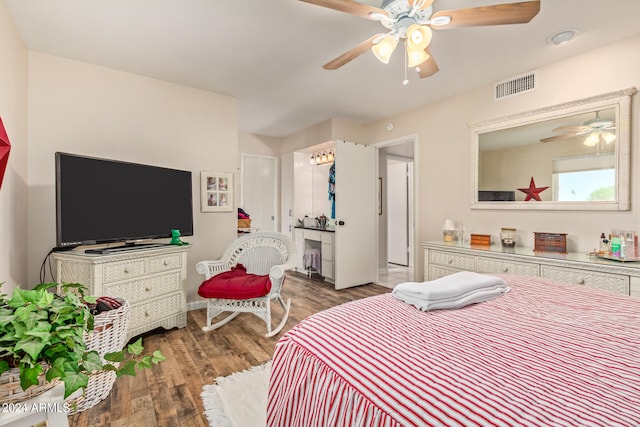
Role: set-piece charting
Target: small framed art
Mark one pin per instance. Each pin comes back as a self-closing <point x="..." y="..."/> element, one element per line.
<point x="216" y="191"/>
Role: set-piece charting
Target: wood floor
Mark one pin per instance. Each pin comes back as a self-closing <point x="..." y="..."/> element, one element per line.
<point x="169" y="394"/>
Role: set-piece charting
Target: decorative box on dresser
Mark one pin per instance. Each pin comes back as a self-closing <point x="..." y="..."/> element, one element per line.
<point x="151" y="280"/>
<point x="441" y="259"/>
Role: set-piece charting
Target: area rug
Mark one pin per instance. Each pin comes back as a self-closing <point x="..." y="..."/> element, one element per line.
<point x="238" y="400"/>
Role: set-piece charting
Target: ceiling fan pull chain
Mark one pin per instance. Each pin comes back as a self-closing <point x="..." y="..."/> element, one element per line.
<point x="405" y="81"/>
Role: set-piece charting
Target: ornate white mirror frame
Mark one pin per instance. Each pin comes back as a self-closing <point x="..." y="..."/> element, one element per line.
<point x="618" y="103"/>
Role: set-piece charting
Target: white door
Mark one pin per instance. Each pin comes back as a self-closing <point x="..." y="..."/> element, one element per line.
<point x="286" y="194"/>
<point x="259" y="190"/>
<point x="356" y="247"/>
<point x="397" y="212"/>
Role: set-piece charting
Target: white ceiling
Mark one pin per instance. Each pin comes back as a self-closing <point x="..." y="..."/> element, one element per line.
<point x="269" y="53"/>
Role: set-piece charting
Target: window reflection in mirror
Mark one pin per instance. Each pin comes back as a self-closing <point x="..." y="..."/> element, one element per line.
<point x="579" y="150"/>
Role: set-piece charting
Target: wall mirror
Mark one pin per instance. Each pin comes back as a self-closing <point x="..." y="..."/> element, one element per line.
<point x="579" y="151"/>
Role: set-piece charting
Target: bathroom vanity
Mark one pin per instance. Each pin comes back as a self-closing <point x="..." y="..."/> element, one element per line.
<point x="310" y="240"/>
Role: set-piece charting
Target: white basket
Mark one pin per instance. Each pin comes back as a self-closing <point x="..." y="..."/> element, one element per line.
<point x="109" y="335"/>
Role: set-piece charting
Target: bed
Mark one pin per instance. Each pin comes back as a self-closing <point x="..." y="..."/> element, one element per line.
<point x="544" y="354"/>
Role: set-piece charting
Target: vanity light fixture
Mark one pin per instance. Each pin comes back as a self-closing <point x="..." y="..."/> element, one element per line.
<point x="322" y="157"/>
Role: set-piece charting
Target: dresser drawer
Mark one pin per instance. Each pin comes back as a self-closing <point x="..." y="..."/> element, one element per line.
<point x="313" y="235"/>
<point x="457" y="261"/>
<point x="327" y="269"/>
<point x="143" y="289"/>
<point x="612" y="282"/>
<point x="496" y="266"/>
<point x="123" y="270"/>
<point x="162" y="263"/>
<point x="152" y="311"/>
<point x="327" y="237"/>
<point x="327" y="252"/>
<point x="438" y="272"/>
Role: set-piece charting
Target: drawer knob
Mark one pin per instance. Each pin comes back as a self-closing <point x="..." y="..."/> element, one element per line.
<point x="165" y="262"/>
<point x="505" y="269"/>
<point x="147" y="290"/>
<point x="146" y="314"/>
<point x="450" y="261"/>
<point x="126" y="271"/>
<point x="581" y="282"/>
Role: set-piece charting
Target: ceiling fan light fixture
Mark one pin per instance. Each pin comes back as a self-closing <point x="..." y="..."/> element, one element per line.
<point x="418" y="37"/>
<point x="416" y="57"/>
<point x="384" y="48"/>
<point x="592" y="140"/>
<point x="608" y="137"/>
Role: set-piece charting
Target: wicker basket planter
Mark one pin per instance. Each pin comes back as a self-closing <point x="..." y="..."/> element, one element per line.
<point x="11" y="392"/>
<point x="109" y="335"/>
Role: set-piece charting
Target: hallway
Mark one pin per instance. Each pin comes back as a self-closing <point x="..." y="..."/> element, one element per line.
<point x="395" y="274"/>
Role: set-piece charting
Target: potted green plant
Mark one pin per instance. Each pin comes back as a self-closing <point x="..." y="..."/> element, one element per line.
<point x="42" y="333"/>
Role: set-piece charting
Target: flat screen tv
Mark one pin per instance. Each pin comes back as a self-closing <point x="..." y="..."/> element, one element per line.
<point x="496" y="196"/>
<point x="105" y="201"/>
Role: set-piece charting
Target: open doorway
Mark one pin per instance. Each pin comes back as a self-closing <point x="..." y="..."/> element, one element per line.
<point x="396" y="229"/>
<point x="259" y="190"/>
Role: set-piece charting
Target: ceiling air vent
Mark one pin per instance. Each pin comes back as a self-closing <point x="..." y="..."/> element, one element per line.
<point x="515" y="86"/>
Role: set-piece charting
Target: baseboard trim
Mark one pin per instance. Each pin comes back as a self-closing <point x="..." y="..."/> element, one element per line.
<point x="196" y="305"/>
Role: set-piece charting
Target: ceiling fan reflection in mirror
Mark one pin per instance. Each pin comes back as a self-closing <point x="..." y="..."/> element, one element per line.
<point x="411" y="21"/>
<point x="597" y="130"/>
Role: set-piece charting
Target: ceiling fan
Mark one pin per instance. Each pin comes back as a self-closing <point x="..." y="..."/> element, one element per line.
<point x="413" y="20"/>
<point x="597" y="130"/>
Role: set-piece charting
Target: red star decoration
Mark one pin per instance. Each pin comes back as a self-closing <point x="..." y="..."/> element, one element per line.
<point x="532" y="192"/>
<point x="5" y="147"/>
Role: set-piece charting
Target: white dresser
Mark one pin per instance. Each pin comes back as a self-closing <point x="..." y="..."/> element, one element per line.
<point x="151" y="280"/>
<point x="306" y="238"/>
<point x="441" y="259"/>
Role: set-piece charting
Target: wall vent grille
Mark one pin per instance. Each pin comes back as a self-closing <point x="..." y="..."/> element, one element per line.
<point x="515" y="86"/>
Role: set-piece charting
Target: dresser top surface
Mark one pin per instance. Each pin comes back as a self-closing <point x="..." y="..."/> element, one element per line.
<point x="80" y="254"/>
<point x="530" y="255"/>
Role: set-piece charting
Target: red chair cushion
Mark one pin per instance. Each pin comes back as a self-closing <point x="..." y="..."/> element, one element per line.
<point x="235" y="284"/>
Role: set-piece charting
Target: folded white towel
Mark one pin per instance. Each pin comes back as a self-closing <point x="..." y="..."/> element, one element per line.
<point x="453" y="291"/>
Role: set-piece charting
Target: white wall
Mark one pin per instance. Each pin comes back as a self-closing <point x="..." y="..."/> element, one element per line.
<point x="256" y="144"/>
<point x="13" y="193"/>
<point x="444" y="158"/>
<point x="85" y="109"/>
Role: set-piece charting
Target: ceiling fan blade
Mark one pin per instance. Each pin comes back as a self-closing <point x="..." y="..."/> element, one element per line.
<point x="572" y="129"/>
<point x="499" y="14"/>
<point x="351" y="7"/>
<point x="563" y="136"/>
<point x="351" y="55"/>
<point x="429" y="67"/>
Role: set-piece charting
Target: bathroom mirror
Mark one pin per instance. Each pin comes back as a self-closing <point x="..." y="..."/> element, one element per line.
<point x="572" y="156"/>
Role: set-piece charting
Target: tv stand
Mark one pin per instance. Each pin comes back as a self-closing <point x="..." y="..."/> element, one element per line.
<point x="125" y="248"/>
<point x="151" y="280"/>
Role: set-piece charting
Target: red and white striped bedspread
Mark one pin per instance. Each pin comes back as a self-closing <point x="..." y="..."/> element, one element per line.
<point x="545" y="354"/>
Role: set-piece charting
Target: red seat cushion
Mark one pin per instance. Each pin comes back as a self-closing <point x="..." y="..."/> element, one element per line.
<point x="235" y="284"/>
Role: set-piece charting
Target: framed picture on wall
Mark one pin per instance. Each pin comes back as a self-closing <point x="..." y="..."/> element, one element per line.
<point x="216" y="191"/>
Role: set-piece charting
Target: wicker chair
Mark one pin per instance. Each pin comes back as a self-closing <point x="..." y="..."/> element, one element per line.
<point x="260" y="253"/>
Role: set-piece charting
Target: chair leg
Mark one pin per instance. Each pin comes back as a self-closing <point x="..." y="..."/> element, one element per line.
<point x="223" y="322"/>
<point x="285" y="316"/>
